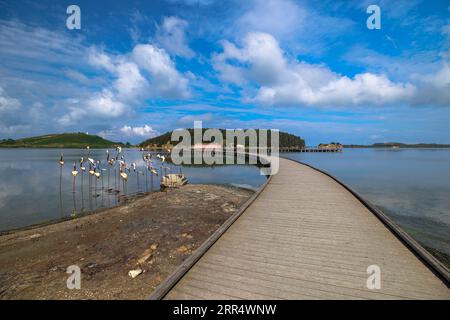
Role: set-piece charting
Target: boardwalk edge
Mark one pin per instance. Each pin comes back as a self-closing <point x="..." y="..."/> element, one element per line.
<point x="417" y="249"/>
<point x="161" y="291"/>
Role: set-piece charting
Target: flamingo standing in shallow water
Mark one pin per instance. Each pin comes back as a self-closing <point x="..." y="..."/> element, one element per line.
<point x="91" y="174"/>
<point x="119" y="150"/>
<point x="133" y="165"/>
<point x="146" y="158"/>
<point x="96" y="176"/>
<point x="108" y="162"/>
<point x="74" y="175"/>
<point x="82" y="169"/>
<point x="153" y="172"/>
<point x="123" y="175"/>
<point x="61" y="164"/>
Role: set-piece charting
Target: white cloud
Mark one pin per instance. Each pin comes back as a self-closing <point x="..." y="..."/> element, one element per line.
<point x="102" y="105"/>
<point x="278" y="80"/>
<point x="101" y="59"/>
<point x="189" y="119"/>
<point x="144" y="131"/>
<point x="7" y="103"/>
<point x="166" y="80"/>
<point x="10" y="122"/>
<point x="278" y="17"/>
<point x="146" y="72"/>
<point x="296" y="24"/>
<point x="433" y="89"/>
<point x="130" y="83"/>
<point x="337" y="90"/>
<point x="172" y="37"/>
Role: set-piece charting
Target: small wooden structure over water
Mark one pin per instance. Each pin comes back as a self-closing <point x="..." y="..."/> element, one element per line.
<point x="306" y="236"/>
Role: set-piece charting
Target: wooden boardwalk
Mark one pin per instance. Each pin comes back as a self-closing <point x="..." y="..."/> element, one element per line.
<point x="305" y="237"/>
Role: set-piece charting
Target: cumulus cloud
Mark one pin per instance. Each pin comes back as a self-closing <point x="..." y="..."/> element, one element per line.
<point x="282" y="81"/>
<point x="102" y="105"/>
<point x="434" y="89"/>
<point x="297" y="24"/>
<point x="146" y="72"/>
<point x="172" y="37"/>
<point x="7" y="103"/>
<point x="144" y="131"/>
<point x="166" y="80"/>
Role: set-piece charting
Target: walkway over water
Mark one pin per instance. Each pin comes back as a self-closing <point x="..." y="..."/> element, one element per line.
<point x="305" y="236"/>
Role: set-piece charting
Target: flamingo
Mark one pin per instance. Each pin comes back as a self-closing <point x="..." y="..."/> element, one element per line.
<point x="108" y="161"/>
<point x="91" y="169"/>
<point x="74" y="174"/>
<point x="123" y="175"/>
<point x="61" y="164"/>
<point x="153" y="172"/>
<point x="162" y="158"/>
<point x="96" y="176"/>
<point x="91" y="173"/>
<point x="82" y="168"/>
<point x="133" y="165"/>
<point x="148" y="162"/>
<point x="74" y="171"/>
<point x="117" y="186"/>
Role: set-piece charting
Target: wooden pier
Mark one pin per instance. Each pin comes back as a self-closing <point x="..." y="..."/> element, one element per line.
<point x="305" y="235"/>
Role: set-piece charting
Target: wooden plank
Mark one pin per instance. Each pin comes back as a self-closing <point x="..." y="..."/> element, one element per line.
<point x="305" y="235"/>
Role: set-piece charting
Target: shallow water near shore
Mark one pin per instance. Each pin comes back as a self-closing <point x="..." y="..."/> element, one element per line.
<point x="31" y="191"/>
<point x="412" y="186"/>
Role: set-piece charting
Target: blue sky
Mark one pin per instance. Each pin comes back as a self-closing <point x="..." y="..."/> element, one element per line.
<point x="140" y="68"/>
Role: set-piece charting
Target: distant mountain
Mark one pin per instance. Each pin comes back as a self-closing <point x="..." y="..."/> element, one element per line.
<point x="65" y="140"/>
<point x="286" y="139"/>
<point x="398" y="145"/>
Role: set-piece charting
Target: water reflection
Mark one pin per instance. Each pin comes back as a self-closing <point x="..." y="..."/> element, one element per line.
<point x="35" y="188"/>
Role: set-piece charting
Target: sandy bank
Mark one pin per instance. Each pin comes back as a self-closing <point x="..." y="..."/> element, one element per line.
<point x="154" y="233"/>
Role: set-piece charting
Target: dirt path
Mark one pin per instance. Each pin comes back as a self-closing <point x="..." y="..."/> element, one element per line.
<point x="154" y="233"/>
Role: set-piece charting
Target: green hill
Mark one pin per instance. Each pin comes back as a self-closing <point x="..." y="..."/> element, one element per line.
<point x="65" y="140"/>
<point x="286" y="139"/>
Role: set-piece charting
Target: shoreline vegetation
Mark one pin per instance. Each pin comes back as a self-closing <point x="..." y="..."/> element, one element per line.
<point x="77" y="140"/>
<point x="398" y="145"/>
<point x="80" y="140"/>
<point x="153" y="234"/>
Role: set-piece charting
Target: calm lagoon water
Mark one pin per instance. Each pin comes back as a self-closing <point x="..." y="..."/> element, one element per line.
<point x="30" y="183"/>
<point x="412" y="186"/>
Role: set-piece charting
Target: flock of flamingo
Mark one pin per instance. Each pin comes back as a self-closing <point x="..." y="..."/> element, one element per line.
<point x="122" y="171"/>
